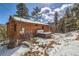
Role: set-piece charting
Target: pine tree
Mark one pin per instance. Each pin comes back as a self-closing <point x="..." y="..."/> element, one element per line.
<point x="75" y="13"/>
<point x="56" y="20"/>
<point x="67" y="19"/>
<point x="35" y="12"/>
<point x="22" y="10"/>
<point x="67" y="12"/>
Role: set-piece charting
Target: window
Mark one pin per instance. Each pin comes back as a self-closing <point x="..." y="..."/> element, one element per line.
<point x="42" y="27"/>
<point x="36" y="25"/>
<point x="14" y="27"/>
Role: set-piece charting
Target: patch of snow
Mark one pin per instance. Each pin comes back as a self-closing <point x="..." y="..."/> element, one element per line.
<point x="40" y="31"/>
<point x="28" y="20"/>
<point x="69" y="46"/>
<point x="7" y="52"/>
<point x="65" y="50"/>
<point x="21" y="51"/>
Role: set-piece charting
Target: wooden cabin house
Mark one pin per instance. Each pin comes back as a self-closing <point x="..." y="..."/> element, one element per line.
<point x="17" y="25"/>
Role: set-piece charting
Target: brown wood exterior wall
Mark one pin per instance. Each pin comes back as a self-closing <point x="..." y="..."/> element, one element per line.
<point x="31" y="27"/>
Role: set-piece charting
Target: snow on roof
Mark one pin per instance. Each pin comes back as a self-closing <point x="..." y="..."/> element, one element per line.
<point x="27" y="20"/>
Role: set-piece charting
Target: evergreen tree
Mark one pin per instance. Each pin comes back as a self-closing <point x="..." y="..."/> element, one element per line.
<point x="56" y="19"/>
<point x="67" y="19"/>
<point x="67" y="12"/>
<point x="71" y="18"/>
<point x="35" y="12"/>
<point x="22" y="10"/>
<point x="75" y="13"/>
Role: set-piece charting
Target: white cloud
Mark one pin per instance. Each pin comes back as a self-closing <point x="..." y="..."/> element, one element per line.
<point x="44" y="9"/>
<point x="65" y="5"/>
<point x="57" y="9"/>
<point x="60" y="11"/>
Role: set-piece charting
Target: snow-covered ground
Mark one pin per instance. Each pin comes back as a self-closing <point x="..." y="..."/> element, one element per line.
<point x="69" y="45"/>
<point x="69" y="49"/>
<point x="18" y="51"/>
<point x="59" y="45"/>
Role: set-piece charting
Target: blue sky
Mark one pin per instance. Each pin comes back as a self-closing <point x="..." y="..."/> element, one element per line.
<point x="7" y="9"/>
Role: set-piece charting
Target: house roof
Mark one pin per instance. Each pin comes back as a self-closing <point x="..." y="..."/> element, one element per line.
<point x="27" y="20"/>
